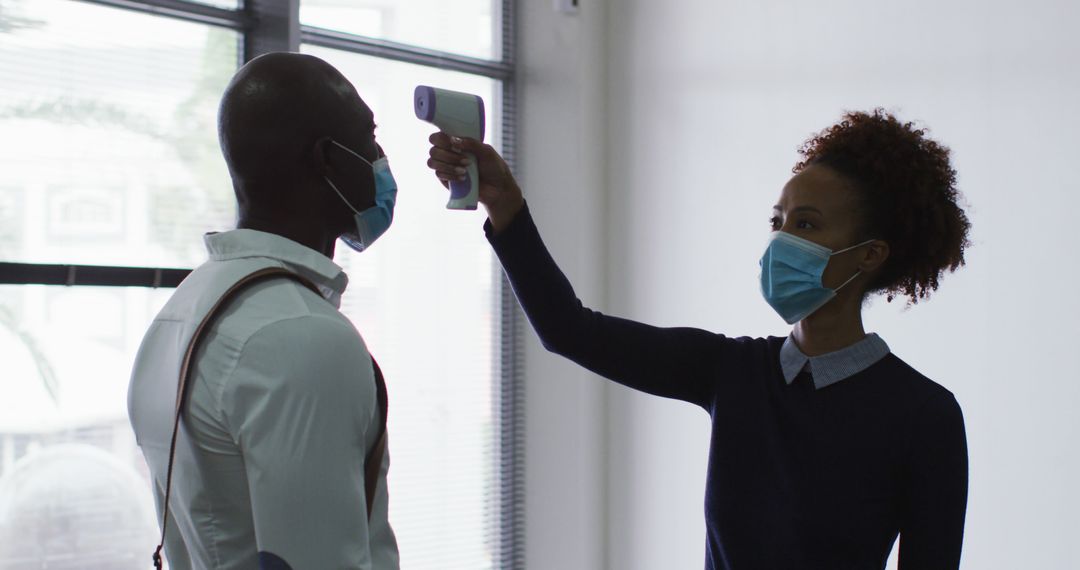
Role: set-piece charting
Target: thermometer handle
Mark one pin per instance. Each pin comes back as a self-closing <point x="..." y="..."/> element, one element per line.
<point x="464" y="194"/>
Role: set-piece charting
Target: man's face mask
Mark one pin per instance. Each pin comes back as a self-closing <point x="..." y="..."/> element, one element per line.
<point x="791" y="272"/>
<point x="374" y="221"/>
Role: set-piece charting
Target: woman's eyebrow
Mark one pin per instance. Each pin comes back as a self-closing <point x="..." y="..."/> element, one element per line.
<point x="798" y="209"/>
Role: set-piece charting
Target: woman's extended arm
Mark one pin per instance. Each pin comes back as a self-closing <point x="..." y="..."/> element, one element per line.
<point x="671" y="362"/>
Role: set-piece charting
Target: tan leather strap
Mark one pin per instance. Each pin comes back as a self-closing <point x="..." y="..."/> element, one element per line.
<point x="373" y="461"/>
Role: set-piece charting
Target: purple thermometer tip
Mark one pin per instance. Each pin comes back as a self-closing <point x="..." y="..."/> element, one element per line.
<point x="424" y="103"/>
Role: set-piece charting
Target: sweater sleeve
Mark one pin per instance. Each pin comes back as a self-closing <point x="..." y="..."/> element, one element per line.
<point x="932" y="523"/>
<point x="668" y="362"/>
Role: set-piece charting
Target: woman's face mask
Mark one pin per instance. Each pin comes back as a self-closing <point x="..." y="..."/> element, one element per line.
<point x="791" y="271"/>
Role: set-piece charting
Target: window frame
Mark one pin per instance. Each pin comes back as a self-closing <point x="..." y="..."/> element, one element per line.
<point x="274" y="25"/>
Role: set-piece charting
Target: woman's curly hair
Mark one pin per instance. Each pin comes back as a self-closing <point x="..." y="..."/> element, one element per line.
<point x="908" y="197"/>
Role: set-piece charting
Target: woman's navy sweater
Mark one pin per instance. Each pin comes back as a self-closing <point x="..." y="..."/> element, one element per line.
<point x="798" y="478"/>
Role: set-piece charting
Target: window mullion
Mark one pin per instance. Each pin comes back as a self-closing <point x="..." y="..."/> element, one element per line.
<point x="276" y="27"/>
<point x="183" y="10"/>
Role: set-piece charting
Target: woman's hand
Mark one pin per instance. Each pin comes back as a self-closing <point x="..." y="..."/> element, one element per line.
<point x="499" y="192"/>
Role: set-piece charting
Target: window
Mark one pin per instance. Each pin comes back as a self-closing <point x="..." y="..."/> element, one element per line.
<point x="109" y="154"/>
<point x="419" y="297"/>
<point x="463" y="27"/>
<point x="110" y="159"/>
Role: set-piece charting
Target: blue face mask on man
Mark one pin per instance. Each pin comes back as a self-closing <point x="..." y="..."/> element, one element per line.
<point x="791" y="270"/>
<point x="374" y="221"/>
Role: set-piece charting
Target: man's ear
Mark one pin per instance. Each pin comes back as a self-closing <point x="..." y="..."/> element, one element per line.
<point x="320" y="156"/>
<point x="875" y="256"/>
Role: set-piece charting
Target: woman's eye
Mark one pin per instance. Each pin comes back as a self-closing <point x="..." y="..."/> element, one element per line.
<point x="804" y="225"/>
<point x="774" y="223"/>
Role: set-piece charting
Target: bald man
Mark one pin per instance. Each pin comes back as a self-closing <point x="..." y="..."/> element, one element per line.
<point x="281" y="407"/>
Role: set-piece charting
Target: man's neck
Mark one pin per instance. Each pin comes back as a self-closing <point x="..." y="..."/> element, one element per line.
<point x="313" y="237"/>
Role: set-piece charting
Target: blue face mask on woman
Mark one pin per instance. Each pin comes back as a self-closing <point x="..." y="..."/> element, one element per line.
<point x="791" y="270"/>
<point x="374" y="221"/>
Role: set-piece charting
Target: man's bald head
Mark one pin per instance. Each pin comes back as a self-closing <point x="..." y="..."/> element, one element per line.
<point x="275" y="109"/>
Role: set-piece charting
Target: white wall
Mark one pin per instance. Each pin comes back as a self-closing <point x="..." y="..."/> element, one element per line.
<point x="561" y="145"/>
<point x="656" y="137"/>
<point x="709" y="102"/>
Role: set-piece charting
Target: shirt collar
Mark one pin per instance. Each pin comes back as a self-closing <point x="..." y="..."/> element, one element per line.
<point x="833" y="367"/>
<point x="243" y="243"/>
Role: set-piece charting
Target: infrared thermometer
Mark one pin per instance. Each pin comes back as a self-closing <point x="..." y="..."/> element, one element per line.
<point x="459" y="115"/>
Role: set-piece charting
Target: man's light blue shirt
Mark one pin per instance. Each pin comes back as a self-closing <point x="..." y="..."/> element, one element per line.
<point x="280" y="414"/>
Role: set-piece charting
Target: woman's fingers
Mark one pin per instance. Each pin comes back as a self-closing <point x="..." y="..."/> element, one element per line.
<point x="445" y="141"/>
<point x="446" y="171"/>
<point x="447" y="164"/>
<point x="448" y="157"/>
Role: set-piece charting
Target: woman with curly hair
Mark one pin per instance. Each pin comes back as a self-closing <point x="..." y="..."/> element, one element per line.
<point x="825" y="445"/>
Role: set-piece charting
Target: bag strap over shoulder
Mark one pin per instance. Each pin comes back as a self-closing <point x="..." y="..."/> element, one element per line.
<point x="374" y="459"/>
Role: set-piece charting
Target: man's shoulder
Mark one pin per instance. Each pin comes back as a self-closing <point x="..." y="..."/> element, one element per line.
<point x="304" y="340"/>
<point x="303" y="358"/>
<point x="259" y="305"/>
